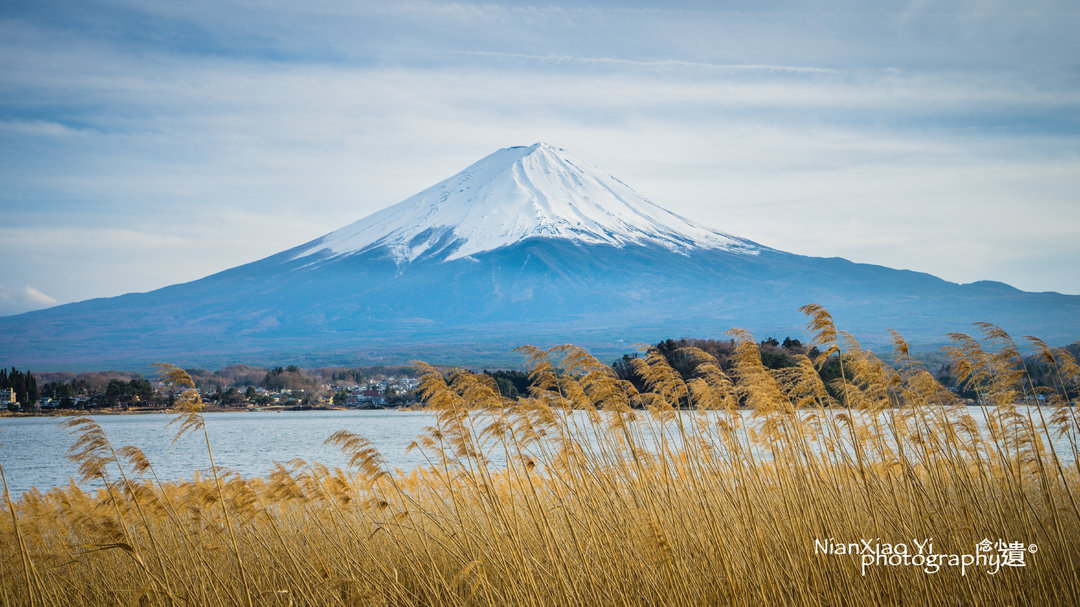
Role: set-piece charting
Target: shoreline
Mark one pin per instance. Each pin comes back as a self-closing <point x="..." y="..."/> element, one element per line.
<point x="208" y="409"/>
<point x="148" y="411"/>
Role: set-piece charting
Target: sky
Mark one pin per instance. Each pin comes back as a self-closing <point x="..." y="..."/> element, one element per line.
<point x="146" y="143"/>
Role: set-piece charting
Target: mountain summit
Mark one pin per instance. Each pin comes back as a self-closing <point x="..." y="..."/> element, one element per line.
<point x="528" y="245"/>
<point x="517" y="193"/>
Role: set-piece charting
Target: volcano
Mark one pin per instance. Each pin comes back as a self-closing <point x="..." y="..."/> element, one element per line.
<point x="528" y="245"/>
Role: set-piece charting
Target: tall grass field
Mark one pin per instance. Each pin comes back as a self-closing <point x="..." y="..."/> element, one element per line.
<point x="748" y="487"/>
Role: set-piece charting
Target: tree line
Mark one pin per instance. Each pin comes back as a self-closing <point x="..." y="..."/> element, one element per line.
<point x="234" y="385"/>
<point x="23" y="383"/>
<point x="775" y="354"/>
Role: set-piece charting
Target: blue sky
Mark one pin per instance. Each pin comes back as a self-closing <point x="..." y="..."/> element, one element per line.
<point x="153" y="142"/>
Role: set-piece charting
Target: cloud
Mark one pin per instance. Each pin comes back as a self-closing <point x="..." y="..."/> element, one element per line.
<point x="45" y="128"/>
<point x="33" y="296"/>
<point x="23" y="300"/>
<point x="664" y="64"/>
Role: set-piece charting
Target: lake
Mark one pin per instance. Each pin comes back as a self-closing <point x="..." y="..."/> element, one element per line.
<point x="33" y="450"/>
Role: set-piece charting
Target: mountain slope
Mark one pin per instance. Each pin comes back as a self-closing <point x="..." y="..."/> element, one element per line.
<point x="529" y="245"/>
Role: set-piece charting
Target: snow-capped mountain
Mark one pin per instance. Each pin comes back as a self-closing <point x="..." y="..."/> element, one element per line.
<point x="539" y="191"/>
<point x="528" y="245"/>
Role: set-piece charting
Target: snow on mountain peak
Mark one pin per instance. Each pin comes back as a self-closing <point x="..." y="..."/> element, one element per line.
<point x="514" y="194"/>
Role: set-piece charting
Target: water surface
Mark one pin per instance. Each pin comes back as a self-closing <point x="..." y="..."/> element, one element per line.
<point x="33" y="450"/>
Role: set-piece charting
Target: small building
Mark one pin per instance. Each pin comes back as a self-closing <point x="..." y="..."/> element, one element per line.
<point x="366" y="398"/>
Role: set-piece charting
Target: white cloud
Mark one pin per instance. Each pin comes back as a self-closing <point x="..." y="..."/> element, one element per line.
<point x="44" y="128"/>
<point x="23" y="300"/>
<point x="665" y="64"/>
<point x="32" y="295"/>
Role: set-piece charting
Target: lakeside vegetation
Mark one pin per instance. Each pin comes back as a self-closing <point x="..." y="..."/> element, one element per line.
<point x="667" y="493"/>
<point x="247" y="386"/>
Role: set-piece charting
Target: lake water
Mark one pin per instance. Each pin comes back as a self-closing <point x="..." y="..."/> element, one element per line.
<point x="33" y="450"/>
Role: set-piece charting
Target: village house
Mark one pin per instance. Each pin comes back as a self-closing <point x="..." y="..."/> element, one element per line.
<point x="366" y="398"/>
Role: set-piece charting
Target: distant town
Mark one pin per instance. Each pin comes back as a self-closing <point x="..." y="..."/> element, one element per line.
<point x="238" y="387"/>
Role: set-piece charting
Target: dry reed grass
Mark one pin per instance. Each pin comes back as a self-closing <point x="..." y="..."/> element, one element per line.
<point x="609" y="496"/>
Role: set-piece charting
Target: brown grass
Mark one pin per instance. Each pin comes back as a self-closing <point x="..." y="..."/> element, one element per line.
<point x="676" y="496"/>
